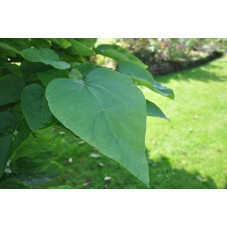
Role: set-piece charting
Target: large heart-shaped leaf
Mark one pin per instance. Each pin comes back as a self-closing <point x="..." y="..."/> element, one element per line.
<point x="143" y="77"/>
<point x="44" y="55"/>
<point x="119" y="54"/>
<point x="35" y="108"/>
<point x="107" y="111"/>
<point x="10" y="89"/>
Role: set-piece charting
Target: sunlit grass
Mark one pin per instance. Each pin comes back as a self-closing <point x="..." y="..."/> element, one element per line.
<point x="195" y="138"/>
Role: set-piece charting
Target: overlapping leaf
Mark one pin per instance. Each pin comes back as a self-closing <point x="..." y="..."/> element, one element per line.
<point x="49" y="75"/>
<point x="89" y="42"/>
<point x="34" y="168"/>
<point x="7" y="47"/>
<point x="10" y="88"/>
<point x="32" y="163"/>
<point x="78" y="48"/>
<point x="44" y="55"/>
<point x="85" y="68"/>
<point x="63" y="43"/>
<point x="20" y="135"/>
<point x="143" y="77"/>
<point x="35" y="107"/>
<point x="8" y="123"/>
<point x="12" y="183"/>
<point x="119" y="54"/>
<point x="13" y="133"/>
<point x="154" y="111"/>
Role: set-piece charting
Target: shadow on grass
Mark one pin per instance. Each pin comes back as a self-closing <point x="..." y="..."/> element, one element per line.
<point x="85" y="172"/>
<point x="164" y="175"/>
<point x="202" y="73"/>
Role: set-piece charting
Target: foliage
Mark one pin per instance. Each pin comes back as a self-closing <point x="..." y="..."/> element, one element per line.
<point x="51" y="82"/>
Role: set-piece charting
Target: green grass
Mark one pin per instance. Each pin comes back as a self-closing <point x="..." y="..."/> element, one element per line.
<point x="190" y="151"/>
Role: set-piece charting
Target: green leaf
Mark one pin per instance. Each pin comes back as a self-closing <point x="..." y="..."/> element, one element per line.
<point x="8" y="124"/>
<point x="12" y="183"/>
<point x="79" y="48"/>
<point x="44" y="55"/>
<point x="7" y="68"/>
<point x="154" y="111"/>
<point x="61" y="187"/>
<point x="63" y="43"/>
<point x="119" y="54"/>
<point x="107" y="111"/>
<point x="32" y="163"/>
<point x="40" y="42"/>
<point x="143" y="77"/>
<point x="49" y="75"/>
<point x="31" y="177"/>
<point x="18" y="44"/>
<point x="76" y="74"/>
<point x="10" y="89"/>
<point x="89" y="42"/>
<point x="85" y="68"/>
<point x="6" y="46"/>
<point x="29" y="68"/>
<point x="20" y="135"/>
<point x="35" y="107"/>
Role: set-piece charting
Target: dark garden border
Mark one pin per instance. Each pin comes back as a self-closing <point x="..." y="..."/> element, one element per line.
<point x="160" y="69"/>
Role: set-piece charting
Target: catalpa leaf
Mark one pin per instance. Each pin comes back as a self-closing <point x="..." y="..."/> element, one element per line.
<point x="154" y="111"/>
<point x="44" y="55"/>
<point x="44" y="173"/>
<point x="8" y="123"/>
<point x="35" y="107"/>
<point x="10" y="89"/>
<point x="32" y="164"/>
<point x="85" y="68"/>
<point x="79" y="48"/>
<point x="107" y="111"/>
<point x="143" y="77"/>
<point x="46" y="76"/>
<point x="20" y="135"/>
<point x="6" y="46"/>
<point x="75" y="73"/>
<point x="89" y="42"/>
<point x="61" y="42"/>
<point x="12" y="183"/>
<point x="119" y="54"/>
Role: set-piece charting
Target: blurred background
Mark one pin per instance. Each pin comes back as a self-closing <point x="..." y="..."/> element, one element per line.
<point x="190" y="150"/>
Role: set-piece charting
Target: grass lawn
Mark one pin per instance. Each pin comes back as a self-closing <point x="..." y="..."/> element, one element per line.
<point x="190" y="151"/>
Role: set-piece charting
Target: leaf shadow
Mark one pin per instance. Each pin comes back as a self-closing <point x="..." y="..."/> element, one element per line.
<point x="165" y="176"/>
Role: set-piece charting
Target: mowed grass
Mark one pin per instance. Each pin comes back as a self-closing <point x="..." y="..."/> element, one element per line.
<point x="190" y="151"/>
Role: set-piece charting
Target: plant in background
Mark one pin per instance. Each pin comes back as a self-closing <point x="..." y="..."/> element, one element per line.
<point x="154" y="50"/>
<point x="46" y="82"/>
